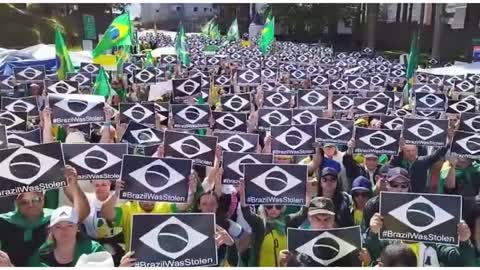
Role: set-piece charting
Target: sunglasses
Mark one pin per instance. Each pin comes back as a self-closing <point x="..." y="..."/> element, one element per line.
<point x="397" y="185"/>
<point x="269" y="207"/>
<point x="33" y="201"/>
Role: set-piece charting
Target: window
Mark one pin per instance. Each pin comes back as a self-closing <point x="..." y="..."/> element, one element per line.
<point x="195" y="9"/>
<point x="179" y="8"/>
<point x="210" y="10"/>
<point x="205" y="9"/>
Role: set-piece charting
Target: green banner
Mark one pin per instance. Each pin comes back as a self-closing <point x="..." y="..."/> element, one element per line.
<point x="89" y="29"/>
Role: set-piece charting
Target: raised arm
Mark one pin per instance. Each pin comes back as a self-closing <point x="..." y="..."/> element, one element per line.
<point x="76" y="194"/>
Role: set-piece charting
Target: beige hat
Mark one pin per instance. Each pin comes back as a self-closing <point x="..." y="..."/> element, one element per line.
<point x="97" y="259"/>
<point x="75" y="137"/>
<point x="64" y="213"/>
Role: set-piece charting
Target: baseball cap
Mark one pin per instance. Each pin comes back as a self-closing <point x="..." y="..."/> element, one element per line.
<point x="97" y="259"/>
<point x="64" y="213"/>
<point x="321" y="205"/>
<point x="398" y="173"/>
<point x="371" y="156"/>
<point x="329" y="171"/>
<point x="329" y="145"/>
<point x="384" y="169"/>
<point x="361" y="183"/>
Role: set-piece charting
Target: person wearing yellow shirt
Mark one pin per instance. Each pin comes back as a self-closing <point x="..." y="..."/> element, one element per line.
<point x="121" y="216"/>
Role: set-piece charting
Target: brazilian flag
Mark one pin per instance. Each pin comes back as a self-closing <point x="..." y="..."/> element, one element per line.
<point x="64" y="64"/>
<point x="118" y="33"/>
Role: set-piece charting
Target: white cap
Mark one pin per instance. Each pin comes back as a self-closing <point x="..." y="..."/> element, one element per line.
<point x="64" y="213"/>
<point x="75" y="137"/>
<point x="97" y="259"/>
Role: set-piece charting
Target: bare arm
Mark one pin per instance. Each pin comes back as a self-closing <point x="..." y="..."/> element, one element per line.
<point x="316" y="161"/>
<point x="80" y="202"/>
<point x="450" y="181"/>
<point x="47" y="125"/>
<point x="108" y="207"/>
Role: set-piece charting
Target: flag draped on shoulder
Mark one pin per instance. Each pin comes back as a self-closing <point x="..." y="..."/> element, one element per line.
<point x="233" y="34"/>
<point x="119" y="33"/>
<point x="181" y="46"/>
<point x="412" y="64"/>
<point x="267" y="35"/>
<point x="64" y="64"/>
<point x="102" y="84"/>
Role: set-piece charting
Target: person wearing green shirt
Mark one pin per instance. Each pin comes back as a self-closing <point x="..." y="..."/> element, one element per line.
<point x="460" y="176"/>
<point x="25" y="228"/>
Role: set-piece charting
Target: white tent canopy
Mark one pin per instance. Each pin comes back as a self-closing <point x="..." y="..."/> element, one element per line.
<point x="45" y="52"/>
<point x="458" y="69"/>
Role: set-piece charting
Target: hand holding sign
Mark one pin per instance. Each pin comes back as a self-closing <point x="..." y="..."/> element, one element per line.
<point x="464" y="232"/>
<point x="71" y="175"/>
<point x="284" y="257"/>
<point x="222" y="237"/>
<point x="127" y="260"/>
<point x="376" y="223"/>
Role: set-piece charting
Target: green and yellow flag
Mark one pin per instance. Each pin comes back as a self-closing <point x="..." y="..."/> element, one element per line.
<point x="267" y="35"/>
<point x="149" y="61"/>
<point x="215" y="32"/>
<point x="411" y="65"/>
<point x="122" y="55"/>
<point x="118" y="33"/>
<point x="181" y="46"/>
<point x="233" y="34"/>
<point x="207" y="28"/>
<point x="102" y="84"/>
<point x="64" y="64"/>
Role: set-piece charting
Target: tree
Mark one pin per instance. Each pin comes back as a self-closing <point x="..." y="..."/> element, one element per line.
<point x="372" y="14"/>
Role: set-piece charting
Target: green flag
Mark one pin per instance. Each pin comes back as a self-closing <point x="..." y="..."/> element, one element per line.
<point x="412" y="64"/>
<point x="122" y="55"/>
<point x="267" y="35"/>
<point x="149" y="61"/>
<point x="64" y="64"/>
<point x="233" y="34"/>
<point x="215" y="32"/>
<point x="118" y="33"/>
<point x="102" y="85"/>
<point x="206" y="28"/>
<point x="181" y="46"/>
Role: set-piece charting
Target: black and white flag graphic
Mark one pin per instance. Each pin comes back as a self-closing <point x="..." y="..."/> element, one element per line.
<point x="29" y="73"/>
<point x="421" y="78"/>
<point x="309" y="99"/>
<point x="397" y="73"/>
<point x="338" y="85"/>
<point x="13" y="120"/>
<point x="427" y="102"/>
<point x="450" y="81"/>
<point x="130" y="68"/>
<point x="26" y="104"/>
<point x="473" y="78"/>
<point x="435" y="79"/>
<point x="230" y="121"/>
<point x="95" y="161"/>
<point x="155" y="179"/>
<point x="139" y="134"/>
<point x="392" y="122"/>
<point x="61" y="87"/>
<point x="466" y="144"/>
<point x="334" y="131"/>
<point x="83" y="79"/>
<point x="235" y="103"/>
<point x="143" y="113"/>
<point x="90" y="68"/>
<point x="248" y="77"/>
<point x="334" y="247"/>
<point x="269" y="74"/>
<point x="282" y="88"/>
<point x="238" y="142"/>
<point x="213" y="60"/>
<point x="428" y="218"/>
<point x="461" y="106"/>
<point x="233" y="163"/>
<point x="377" y="141"/>
<point x="147" y="75"/>
<point x="190" y="116"/>
<point x="74" y="108"/>
<point x="253" y="65"/>
<point x="342" y="103"/>
<point x="427" y="132"/>
<point x="168" y="59"/>
<point x="378" y="82"/>
<point x="358" y="83"/>
<point x="320" y="82"/>
<point x="293" y="140"/>
<point x="178" y="240"/>
<point x="278" y="100"/>
<point x="7" y="82"/>
<point x="275" y="184"/>
<point x="201" y="149"/>
<point x="369" y="106"/>
<point x="221" y="80"/>
<point x="425" y="88"/>
<point x="430" y="115"/>
<point x="470" y="122"/>
<point x="394" y="101"/>
<point x="31" y="169"/>
<point x="298" y="75"/>
<point x="464" y="87"/>
<point x="185" y="88"/>
<point x="305" y="117"/>
<point x="273" y="117"/>
<point x="24" y="138"/>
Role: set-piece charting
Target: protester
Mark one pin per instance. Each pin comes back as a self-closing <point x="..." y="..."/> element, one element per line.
<point x="398" y="255"/>
<point x="361" y="192"/>
<point x="460" y="176"/>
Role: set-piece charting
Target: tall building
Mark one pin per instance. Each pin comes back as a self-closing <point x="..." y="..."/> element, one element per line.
<point x="168" y="16"/>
